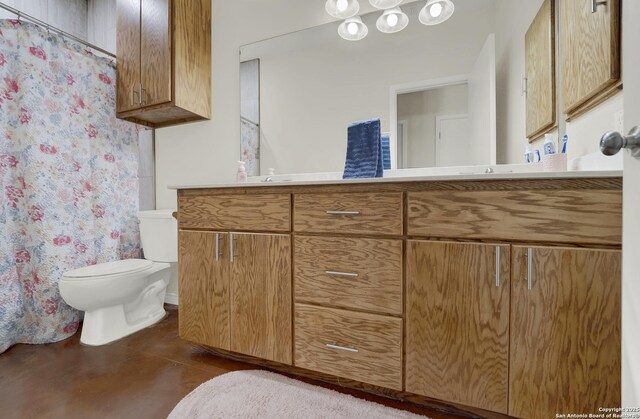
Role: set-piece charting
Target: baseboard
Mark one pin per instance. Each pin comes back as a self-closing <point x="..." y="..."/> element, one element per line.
<point x="171" y="298"/>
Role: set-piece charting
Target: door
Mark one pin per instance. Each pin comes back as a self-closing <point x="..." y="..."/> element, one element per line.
<point x="453" y="141"/>
<point x="565" y="331"/>
<point x="457" y="322"/>
<point x="155" y="43"/>
<point x="128" y="53"/>
<point x="260" y="268"/>
<point x="631" y="209"/>
<point x="589" y="49"/>
<point x="204" y="288"/>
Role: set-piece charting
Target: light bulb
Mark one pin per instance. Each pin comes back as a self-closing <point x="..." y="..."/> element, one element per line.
<point x="352" y="28"/>
<point x="392" y="20"/>
<point x="342" y="5"/>
<point x="435" y="10"/>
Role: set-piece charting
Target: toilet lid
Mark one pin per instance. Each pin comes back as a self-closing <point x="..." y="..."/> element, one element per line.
<point x="110" y="268"/>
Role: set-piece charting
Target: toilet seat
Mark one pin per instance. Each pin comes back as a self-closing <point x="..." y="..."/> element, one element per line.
<point x="100" y="270"/>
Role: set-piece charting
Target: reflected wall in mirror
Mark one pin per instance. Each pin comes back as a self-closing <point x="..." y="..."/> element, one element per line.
<point x="452" y="94"/>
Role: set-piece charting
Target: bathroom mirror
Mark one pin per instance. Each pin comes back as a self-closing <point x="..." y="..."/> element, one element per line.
<point x="447" y="95"/>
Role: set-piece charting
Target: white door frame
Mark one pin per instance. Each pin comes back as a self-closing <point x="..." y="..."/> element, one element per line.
<point x="412" y="87"/>
<point x="404" y="141"/>
<point x="439" y="119"/>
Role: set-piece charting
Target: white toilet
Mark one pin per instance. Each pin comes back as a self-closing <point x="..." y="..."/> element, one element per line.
<point x="119" y="298"/>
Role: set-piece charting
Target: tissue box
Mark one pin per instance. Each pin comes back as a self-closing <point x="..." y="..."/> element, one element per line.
<point x="554" y="162"/>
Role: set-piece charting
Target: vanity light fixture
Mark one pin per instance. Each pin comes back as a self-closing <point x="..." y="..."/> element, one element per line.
<point x="342" y="9"/>
<point x="353" y="29"/>
<point x="392" y="21"/>
<point x="385" y="4"/>
<point x="436" y="12"/>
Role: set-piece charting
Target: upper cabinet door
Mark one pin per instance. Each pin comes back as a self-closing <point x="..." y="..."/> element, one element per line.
<point x="589" y="50"/>
<point x="155" y="43"/>
<point x="457" y="322"/>
<point x="128" y="53"/>
<point x="261" y="296"/>
<point x="565" y="331"/>
<point x="540" y="70"/>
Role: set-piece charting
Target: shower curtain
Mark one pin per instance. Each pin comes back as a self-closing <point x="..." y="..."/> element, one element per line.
<point x="68" y="178"/>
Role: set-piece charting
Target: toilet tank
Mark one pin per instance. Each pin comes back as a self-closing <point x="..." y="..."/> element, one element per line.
<point x="159" y="235"/>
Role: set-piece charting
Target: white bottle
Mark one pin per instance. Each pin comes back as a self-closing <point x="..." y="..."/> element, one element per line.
<point x="241" y="176"/>
<point x="550" y="146"/>
<point x="528" y="154"/>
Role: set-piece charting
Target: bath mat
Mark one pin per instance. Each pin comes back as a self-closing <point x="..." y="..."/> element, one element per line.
<point x="265" y="395"/>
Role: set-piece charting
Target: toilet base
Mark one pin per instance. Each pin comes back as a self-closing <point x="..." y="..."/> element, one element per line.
<point x="109" y="324"/>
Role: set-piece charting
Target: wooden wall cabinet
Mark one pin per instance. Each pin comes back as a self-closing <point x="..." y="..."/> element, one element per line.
<point x="457" y="322"/>
<point x="565" y="331"/>
<point x="589" y="53"/>
<point x="540" y="72"/>
<point x="163" y="61"/>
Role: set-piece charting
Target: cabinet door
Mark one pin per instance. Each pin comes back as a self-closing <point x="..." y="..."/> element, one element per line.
<point x="457" y="322"/>
<point x="128" y="53"/>
<point x="589" y="50"/>
<point x="261" y="296"/>
<point x="540" y="72"/>
<point x="204" y="288"/>
<point x="565" y="331"/>
<point x="155" y="42"/>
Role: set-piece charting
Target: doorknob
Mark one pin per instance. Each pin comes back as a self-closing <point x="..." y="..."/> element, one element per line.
<point x="612" y="142"/>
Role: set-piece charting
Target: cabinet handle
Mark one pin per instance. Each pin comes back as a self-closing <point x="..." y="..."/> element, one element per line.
<point x="232" y="247"/>
<point x="142" y="95"/>
<point x="218" y="246"/>
<point x="347" y="274"/>
<point x="497" y="266"/>
<point x="133" y="96"/>
<point x="341" y="348"/>
<point x="596" y="3"/>
<point x="343" y="212"/>
<point x="529" y="268"/>
<point x="523" y="85"/>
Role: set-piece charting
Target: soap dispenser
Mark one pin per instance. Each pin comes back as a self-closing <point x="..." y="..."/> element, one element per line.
<point x="550" y="144"/>
<point x="241" y="176"/>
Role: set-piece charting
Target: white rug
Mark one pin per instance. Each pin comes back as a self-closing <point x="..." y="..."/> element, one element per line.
<point x="265" y="395"/>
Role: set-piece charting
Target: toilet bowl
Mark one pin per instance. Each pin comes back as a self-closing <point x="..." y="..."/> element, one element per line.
<point x="122" y="297"/>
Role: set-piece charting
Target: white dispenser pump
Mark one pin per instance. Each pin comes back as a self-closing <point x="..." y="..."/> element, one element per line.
<point x="241" y="176"/>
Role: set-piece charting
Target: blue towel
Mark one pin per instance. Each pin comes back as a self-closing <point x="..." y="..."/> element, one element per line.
<point x="386" y="152"/>
<point x="364" y="150"/>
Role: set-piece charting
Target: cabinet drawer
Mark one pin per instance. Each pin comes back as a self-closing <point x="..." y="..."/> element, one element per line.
<point x="359" y="346"/>
<point x="353" y="273"/>
<point x="364" y="213"/>
<point x="559" y="216"/>
<point x="264" y="212"/>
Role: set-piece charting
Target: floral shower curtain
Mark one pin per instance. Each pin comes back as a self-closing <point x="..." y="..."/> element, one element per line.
<point x="68" y="178"/>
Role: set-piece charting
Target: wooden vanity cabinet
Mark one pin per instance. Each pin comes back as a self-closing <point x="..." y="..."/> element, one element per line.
<point x="457" y="322"/>
<point x="565" y="331"/>
<point x="590" y="58"/>
<point x="163" y="61"/>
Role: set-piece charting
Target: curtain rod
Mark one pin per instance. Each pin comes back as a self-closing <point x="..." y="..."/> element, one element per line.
<point x="53" y="29"/>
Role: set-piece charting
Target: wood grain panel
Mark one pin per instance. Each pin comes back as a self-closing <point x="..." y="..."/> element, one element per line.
<point x="261" y="296"/>
<point x="265" y="212"/>
<point x="571" y="216"/>
<point x="379" y="213"/>
<point x="155" y="44"/>
<point x="377" y="262"/>
<point x="377" y="340"/>
<point x="589" y="50"/>
<point x="565" y="332"/>
<point x="204" y="289"/>
<point x="540" y="69"/>
<point x="128" y="54"/>
<point x="457" y="323"/>
<point x="192" y="56"/>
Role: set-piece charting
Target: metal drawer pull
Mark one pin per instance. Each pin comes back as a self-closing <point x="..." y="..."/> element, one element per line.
<point x="341" y="348"/>
<point x="497" y="266"/>
<point x="343" y="212"/>
<point x="595" y="4"/>
<point x="349" y="274"/>
<point x="529" y="268"/>
<point x="217" y="246"/>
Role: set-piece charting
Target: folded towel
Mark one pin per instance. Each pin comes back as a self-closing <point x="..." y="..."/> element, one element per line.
<point x="386" y="152"/>
<point x="364" y="150"/>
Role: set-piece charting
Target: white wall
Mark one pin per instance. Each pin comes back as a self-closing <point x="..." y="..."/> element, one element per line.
<point x="68" y="15"/>
<point x="420" y="109"/>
